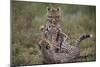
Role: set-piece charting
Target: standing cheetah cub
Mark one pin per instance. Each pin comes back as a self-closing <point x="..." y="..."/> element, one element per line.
<point x="52" y="29"/>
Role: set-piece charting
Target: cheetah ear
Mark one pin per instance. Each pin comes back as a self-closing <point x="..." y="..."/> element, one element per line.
<point x="58" y="9"/>
<point x="42" y="27"/>
<point x="48" y="8"/>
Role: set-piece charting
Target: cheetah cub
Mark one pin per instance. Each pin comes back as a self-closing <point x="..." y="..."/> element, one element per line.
<point x="52" y="29"/>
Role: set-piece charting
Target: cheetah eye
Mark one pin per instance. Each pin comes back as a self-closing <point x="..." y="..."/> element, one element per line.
<point x="57" y="17"/>
<point x="49" y="16"/>
<point x="49" y="20"/>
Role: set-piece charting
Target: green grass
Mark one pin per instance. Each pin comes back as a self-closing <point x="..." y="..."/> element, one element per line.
<point x="27" y="17"/>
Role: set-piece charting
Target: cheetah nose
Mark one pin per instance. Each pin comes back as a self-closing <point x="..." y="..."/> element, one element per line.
<point x="53" y="20"/>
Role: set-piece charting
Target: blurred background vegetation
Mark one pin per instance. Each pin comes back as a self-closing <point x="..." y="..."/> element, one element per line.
<point x="27" y="17"/>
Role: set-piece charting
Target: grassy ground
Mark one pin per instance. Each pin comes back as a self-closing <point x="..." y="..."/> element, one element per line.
<point x="27" y="17"/>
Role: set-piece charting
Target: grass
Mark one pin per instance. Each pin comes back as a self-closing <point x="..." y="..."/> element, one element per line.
<point x="27" y="17"/>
